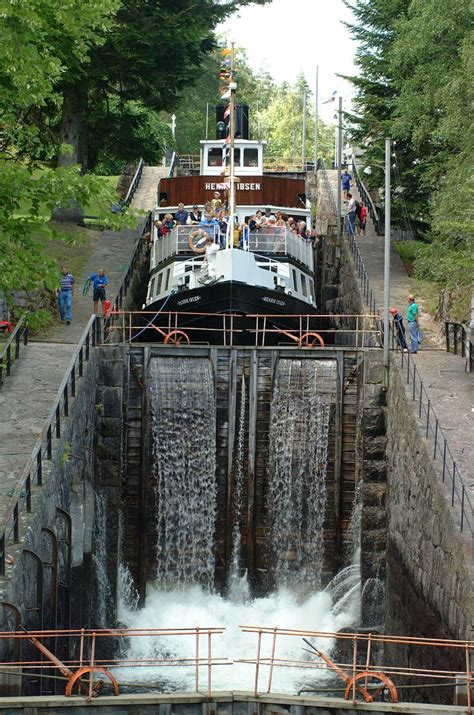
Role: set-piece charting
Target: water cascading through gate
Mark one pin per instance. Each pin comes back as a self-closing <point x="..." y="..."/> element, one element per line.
<point x="181" y="394"/>
<point x="303" y="393"/>
<point x="184" y="468"/>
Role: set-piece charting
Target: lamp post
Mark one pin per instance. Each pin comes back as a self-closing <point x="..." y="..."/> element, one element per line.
<point x="339" y="168"/>
<point x="386" y="256"/>
<point x="386" y="263"/>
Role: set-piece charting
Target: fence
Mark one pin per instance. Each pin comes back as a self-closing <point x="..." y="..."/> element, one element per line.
<point x="32" y="474"/>
<point x="18" y="337"/>
<point x="367" y="199"/>
<point x="367" y="291"/>
<point x="458" y="342"/>
<point x="135" y="183"/>
<point x="361" y="679"/>
<point x="80" y="673"/>
<point x="261" y="330"/>
<point x="110" y="655"/>
<point x="450" y="473"/>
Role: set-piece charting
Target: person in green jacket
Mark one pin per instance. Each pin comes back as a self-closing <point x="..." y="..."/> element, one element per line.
<point x="413" y="320"/>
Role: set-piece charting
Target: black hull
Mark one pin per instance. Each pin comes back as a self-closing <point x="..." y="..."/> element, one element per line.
<point x="217" y="327"/>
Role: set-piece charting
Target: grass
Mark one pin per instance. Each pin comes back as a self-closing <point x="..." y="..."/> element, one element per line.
<point x="408" y="250"/>
<point x="94" y="208"/>
<point x="75" y="251"/>
<point x="438" y="300"/>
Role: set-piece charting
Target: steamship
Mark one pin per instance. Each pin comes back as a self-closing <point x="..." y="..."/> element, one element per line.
<point x="215" y="298"/>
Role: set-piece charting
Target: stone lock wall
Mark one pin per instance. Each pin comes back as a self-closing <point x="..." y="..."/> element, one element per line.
<point x="429" y="585"/>
<point x="49" y="588"/>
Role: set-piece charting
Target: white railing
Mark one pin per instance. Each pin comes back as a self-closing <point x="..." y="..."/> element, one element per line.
<point x="280" y="241"/>
<point x="176" y="242"/>
<point x="275" y="240"/>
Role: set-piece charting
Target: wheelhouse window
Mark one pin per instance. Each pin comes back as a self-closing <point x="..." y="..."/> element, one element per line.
<point x="295" y="282"/>
<point x="152" y="288"/>
<point x="236" y="157"/>
<point x="251" y="157"/>
<point x="214" y="157"/>
<point x="160" y="282"/>
<point x="168" y="273"/>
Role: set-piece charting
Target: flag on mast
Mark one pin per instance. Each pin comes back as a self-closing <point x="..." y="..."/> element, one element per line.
<point x="332" y="98"/>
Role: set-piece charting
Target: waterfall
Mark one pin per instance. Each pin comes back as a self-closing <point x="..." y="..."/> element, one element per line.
<point x="103" y="591"/>
<point x="299" y="427"/>
<point x="184" y="468"/>
<point x="237" y="583"/>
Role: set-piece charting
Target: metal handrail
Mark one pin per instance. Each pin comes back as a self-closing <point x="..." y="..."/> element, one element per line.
<point x="367" y="198"/>
<point x="441" y="451"/>
<point x="174" y="160"/>
<point x="19" y="335"/>
<point x="134" y="183"/>
<point x="43" y="449"/>
<point x="367" y="291"/>
<point x="458" y="341"/>
<point x="186" y="328"/>
<point x="360" y="676"/>
<point x="327" y="186"/>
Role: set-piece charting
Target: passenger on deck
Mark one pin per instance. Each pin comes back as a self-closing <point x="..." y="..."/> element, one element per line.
<point x="168" y="224"/>
<point x="181" y="215"/>
<point x="195" y="215"/>
<point x="216" y="201"/>
<point x="291" y="223"/>
<point x="205" y="243"/>
<point x="281" y="219"/>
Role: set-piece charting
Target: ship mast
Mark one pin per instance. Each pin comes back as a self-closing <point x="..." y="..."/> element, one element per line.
<point x="233" y="88"/>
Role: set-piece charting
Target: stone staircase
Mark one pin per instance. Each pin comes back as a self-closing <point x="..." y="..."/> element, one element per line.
<point x="146" y="196"/>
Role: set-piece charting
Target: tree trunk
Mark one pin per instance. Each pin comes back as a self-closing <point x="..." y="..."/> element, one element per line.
<point x="73" y="131"/>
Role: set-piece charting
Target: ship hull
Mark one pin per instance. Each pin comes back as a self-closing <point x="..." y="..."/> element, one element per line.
<point x="223" y="314"/>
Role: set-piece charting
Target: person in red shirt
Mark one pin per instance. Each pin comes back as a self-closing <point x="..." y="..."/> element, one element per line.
<point x="363" y="217"/>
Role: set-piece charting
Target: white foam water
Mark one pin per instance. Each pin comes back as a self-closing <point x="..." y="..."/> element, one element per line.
<point x="193" y="606"/>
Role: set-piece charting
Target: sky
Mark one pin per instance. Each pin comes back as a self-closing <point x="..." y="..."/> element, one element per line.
<point x="286" y="37"/>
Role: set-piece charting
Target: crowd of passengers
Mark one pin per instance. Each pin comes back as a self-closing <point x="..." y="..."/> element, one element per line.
<point x="216" y="213"/>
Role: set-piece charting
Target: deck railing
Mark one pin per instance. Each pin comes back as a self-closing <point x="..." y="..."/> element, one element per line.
<point x="276" y="240"/>
<point x="11" y="349"/>
<point x="280" y="240"/>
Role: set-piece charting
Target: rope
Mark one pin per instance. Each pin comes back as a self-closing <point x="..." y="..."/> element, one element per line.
<point x="86" y="286"/>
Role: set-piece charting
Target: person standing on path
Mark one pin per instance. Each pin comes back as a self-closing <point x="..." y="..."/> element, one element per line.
<point x="346" y="180"/>
<point x="413" y="321"/>
<point x="351" y="215"/>
<point x="64" y="295"/>
<point x="99" y="281"/>
<point x="399" y="329"/>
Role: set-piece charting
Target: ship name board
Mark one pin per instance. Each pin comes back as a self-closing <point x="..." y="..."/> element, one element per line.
<point x="243" y="186"/>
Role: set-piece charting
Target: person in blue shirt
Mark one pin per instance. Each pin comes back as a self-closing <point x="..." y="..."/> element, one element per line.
<point x="99" y="281"/>
<point x="346" y="180"/>
<point x="64" y="295"/>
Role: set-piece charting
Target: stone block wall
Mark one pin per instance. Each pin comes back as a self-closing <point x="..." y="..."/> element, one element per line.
<point x="108" y="482"/>
<point x="429" y="584"/>
<point x="373" y="491"/>
<point x="49" y="589"/>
